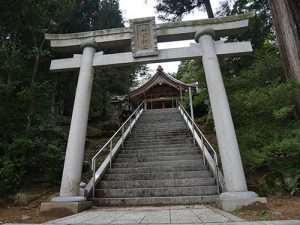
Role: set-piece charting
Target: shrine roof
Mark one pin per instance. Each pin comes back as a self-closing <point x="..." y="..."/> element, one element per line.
<point x="161" y="76"/>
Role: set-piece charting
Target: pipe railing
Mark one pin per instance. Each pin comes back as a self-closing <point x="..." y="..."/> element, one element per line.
<point x="131" y="119"/>
<point x="204" y="145"/>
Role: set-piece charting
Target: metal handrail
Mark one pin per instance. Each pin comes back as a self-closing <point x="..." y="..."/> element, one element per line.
<point x="203" y="138"/>
<point x="110" y="143"/>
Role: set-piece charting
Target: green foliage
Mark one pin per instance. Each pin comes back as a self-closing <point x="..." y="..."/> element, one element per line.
<point x="192" y="72"/>
<point x="262" y="105"/>
<point x="172" y="10"/>
<point x="35" y="105"/>
<point x="260" y="29"/>
<point x="95" y="15"/>
<point x="262" y="101"/>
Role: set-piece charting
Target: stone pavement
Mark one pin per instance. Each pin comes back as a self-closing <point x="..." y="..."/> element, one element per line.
<point x="196" y="214"/>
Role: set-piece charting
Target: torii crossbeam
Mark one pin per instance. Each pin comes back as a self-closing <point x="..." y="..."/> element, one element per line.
<point x="143" y="36"/>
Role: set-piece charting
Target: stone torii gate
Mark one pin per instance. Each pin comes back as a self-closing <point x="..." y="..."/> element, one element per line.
<point x="143" y="35"/>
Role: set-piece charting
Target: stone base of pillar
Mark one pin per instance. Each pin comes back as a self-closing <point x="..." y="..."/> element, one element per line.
<point x="62" y="209"/>
<point x="60" y="199"/>
<point x="230" y="201"/>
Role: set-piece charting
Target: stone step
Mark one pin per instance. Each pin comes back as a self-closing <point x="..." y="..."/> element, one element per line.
<point x="174" y="147"/>
<point x="158" y="164"/>
<point x="157" y="158"/>
<point x="173" y="140"/>
<point x="160" y="151"/>
<point x="156" y="192"/>
<point x="159" y="129"/>
<point x="157" y="176"/>
<point x="160" y="111"/>
<point x="128" y="154"/>
<point x="180" y="168"/>
<point x="161" y="117"/>
<point x="159" y="146"/>
<point x="158" y="134"/>
<point x="161" y="122"/>
<point x="159" y="143"/>
<point x="157" y="122"/>
<point x="176" y="200"/>
<point x="157" y="183"/>
<point x="156" y="131"/>
<point x="156" y="138"/>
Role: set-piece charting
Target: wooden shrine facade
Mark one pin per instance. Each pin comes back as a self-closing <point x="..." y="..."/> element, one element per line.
<point x="160" y="91"/>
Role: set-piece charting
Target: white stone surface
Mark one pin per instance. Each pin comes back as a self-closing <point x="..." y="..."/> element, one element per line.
<point x="76" y="142"/>
<point x="166" y="32"/>
<point x="193" y="214"/>
<point x="184" y="216"/>
<point x="230" y="156"/>
<point x="165" y="55"/>
<point x="68" y="199"/>
<point x="157" y="217"/>
<point x="230" y="195"/>
<point x="231" y="203"/>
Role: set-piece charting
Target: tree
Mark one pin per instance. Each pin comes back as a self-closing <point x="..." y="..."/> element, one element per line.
<point x="260" y="98"/>
<point x="36" y="105"/>
<point x="285" y="14"/>
<point x="174" y="10"/>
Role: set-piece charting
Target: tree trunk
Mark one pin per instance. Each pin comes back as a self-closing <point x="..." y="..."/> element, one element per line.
<point x="209" y="10"/>
<point x="32" y="105"/>
<point x="286" y="19"/>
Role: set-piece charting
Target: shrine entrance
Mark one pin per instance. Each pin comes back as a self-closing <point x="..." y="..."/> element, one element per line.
<point x="160" y="91"/>
<point x="142" y="36"/>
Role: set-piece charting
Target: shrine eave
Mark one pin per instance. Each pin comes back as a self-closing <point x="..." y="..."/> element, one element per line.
<point x="169" y="80"/>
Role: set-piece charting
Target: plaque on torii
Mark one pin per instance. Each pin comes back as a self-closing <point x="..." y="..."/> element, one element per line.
<point x="143" y="36"/>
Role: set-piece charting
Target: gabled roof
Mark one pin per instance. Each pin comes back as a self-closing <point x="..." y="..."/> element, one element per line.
<point x="161" y="77"/>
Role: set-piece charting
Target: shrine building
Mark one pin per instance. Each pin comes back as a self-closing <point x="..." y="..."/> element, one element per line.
<point x="160" y="91"/>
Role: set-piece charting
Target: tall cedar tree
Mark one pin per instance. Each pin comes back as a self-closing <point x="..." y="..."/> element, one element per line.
<point x="173" y="10"/>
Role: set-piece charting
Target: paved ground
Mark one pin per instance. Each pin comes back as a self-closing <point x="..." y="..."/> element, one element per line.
<point x="160" y="215"/>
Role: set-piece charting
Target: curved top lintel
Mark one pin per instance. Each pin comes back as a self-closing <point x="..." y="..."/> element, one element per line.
<point x="184" y="30"/>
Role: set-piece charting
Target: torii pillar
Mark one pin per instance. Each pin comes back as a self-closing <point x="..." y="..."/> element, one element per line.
<point x="69" y="201"/>
<point x="236" y="194"/>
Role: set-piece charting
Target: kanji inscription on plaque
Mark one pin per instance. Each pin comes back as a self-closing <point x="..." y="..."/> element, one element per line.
<point x="143" y="36"/>
<point x="143" y="40"/>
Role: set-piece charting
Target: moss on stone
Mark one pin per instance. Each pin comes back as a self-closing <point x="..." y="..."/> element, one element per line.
<point x="219" y="20"/>
<point x="124" y="30"/>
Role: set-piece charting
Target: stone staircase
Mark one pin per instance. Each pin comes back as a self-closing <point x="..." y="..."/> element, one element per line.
<point x="158" y="165"/>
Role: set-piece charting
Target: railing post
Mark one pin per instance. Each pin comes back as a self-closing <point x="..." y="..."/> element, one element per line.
<point x="110" y="149"/>
<point x="94" y="178"/>
<point x="130" y="125"/>
<point x="217" y="172"/>
<point x="123" y="137"/>
<point x="191" y="103"/>
<point x="203" y="152"/>
<point x="194" y="133"/>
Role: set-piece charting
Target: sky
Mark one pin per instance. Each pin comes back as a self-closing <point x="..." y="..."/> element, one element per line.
<point x="132" y="9"/>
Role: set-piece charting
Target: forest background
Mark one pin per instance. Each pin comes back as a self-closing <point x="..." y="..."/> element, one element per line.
<point x="36" y="105"/>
